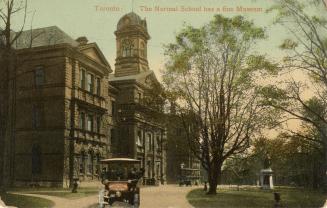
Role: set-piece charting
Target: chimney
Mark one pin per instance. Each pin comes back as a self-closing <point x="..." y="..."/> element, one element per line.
<point x="82" y="40"/>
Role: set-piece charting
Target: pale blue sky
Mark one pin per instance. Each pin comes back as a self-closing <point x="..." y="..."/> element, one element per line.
<point x="80" y="18"/>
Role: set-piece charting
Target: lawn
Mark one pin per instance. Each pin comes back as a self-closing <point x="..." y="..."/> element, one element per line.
<point x="25" y="201"/>
<point x="59" y="192"/>
<point x="255" y="197"/>
<point x="82" y="192"/>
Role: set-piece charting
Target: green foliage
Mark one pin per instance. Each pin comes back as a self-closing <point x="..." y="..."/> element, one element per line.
<point x="25" y="201"/>
<point x="274" y="96"/>
<point x="316" y="108"/>
<point x="212" y="72"/>
<point x="288" y="44"/>
<point x="255" y="198"/>
<point x="260" y="62"/>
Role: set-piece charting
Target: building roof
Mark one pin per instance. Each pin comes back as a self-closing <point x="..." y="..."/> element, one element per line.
<point x="131" y="19"/>
<point x="45" y="36"/>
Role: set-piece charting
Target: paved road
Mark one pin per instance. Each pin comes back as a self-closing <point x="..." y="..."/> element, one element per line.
<point x="167" y="196"/>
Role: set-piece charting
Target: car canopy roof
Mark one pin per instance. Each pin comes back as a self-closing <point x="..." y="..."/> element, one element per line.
<point x="119" y="160"/>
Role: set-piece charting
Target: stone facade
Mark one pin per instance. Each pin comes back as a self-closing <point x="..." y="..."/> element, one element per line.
<point x="179" y="155"/>
<point x="141" y="133"/>
<point x="61" y="105"/>
<point x="70" y="112"/>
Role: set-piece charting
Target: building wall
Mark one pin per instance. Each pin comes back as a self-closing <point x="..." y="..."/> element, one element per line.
<point x="135" y="128"/>
<point x="85" y="146"/>
<point x="49" y="137"/>
<point x="178" y="151"/>
<point x="39" y="144"/>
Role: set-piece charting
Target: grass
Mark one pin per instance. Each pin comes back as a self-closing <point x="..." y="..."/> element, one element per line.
<point x="255" y="198"/>
<point x="64" y="193"/>
<point x="25" y="201"/>
<point x="67" y="193"/>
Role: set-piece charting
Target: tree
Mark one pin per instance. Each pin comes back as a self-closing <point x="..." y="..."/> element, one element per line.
<point x="306" y="53"/>
<point x="8" y="8"/>
<point x="211" y="71"/>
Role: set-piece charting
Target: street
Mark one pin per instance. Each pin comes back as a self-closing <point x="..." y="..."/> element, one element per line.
<point x="165" y="196"/>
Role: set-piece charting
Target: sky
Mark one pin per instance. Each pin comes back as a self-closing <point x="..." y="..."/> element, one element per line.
<point x="97" y="20"/>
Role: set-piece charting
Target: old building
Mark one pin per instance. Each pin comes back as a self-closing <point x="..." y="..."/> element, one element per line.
<point x="180" y="159"/>
<point x="62" y="109"/>
<point x="141" y="133"/>
<point x="69" y="112"/>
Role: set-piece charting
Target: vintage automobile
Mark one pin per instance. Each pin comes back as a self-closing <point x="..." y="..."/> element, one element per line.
<point x="120" y="178"/>
<point x="189" y="176"/>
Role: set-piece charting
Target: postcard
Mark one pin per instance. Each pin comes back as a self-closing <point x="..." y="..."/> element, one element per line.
<point x="163" y="103"/>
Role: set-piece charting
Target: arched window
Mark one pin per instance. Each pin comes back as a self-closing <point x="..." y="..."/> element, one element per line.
<point x="36" y="159"/>
<point x="127" y="47"/>
<point x="142" y="50"/>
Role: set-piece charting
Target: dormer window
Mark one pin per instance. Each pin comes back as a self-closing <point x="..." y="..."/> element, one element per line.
<point x="127" y="47"/>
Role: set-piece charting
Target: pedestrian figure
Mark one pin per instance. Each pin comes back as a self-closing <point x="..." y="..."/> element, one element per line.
<point x="277" y="198"/>
<point x="75" y="185"/>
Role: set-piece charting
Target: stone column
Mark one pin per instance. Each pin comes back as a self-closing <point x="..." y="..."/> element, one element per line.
<point x="271" y="184"/>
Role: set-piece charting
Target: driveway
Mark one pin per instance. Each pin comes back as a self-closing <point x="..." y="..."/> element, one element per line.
<point x="168" y="196"/>
<point x="165" y="196"/>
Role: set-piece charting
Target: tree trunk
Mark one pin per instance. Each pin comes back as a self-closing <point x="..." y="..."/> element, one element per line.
<point x="324" y="139"/>
<point x="214" y="178"/>
<point x="325" y="170"/>
<point x="213" y="182"/>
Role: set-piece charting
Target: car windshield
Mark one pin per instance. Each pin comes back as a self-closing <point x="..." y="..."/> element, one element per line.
<point x="120" y="172"/>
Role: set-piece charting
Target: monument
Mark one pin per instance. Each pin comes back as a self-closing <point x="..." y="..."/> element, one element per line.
<point x="266" y="179"/>
<point x="266" y="175"/>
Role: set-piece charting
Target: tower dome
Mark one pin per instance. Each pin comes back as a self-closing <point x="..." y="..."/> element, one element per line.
<point x="131" y="19"/>
<point x="131" y="41"/>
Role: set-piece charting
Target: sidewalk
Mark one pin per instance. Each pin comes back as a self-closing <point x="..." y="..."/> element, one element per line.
<point x="325" y="205"/>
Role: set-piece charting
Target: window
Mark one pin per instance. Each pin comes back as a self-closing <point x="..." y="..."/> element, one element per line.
<point x="82" y="78"/>
<point x="112" y="136"/>
<point x="139" y="139"/>
<point x="113" y="106"/>
<point x="36" y="159"/>
<point x="98" y="81"/>
<point x="178" y="131"/>
<point x="90" y="82"/>
<point x="158" y="143"/>
<point x="97" y="166"/>
<point x="82" y="163"/>
<point x="39" y="76"/>
<point x="142" y="49"/>
<point x="82" y="120"/>
<point x="150" y="141"/>
<point x="127" y="46"/>
<point x="90" y="122"/>
<point x="90" y="163"/>
<point x="37" y="115"/>
<point x="98" y="124"/>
